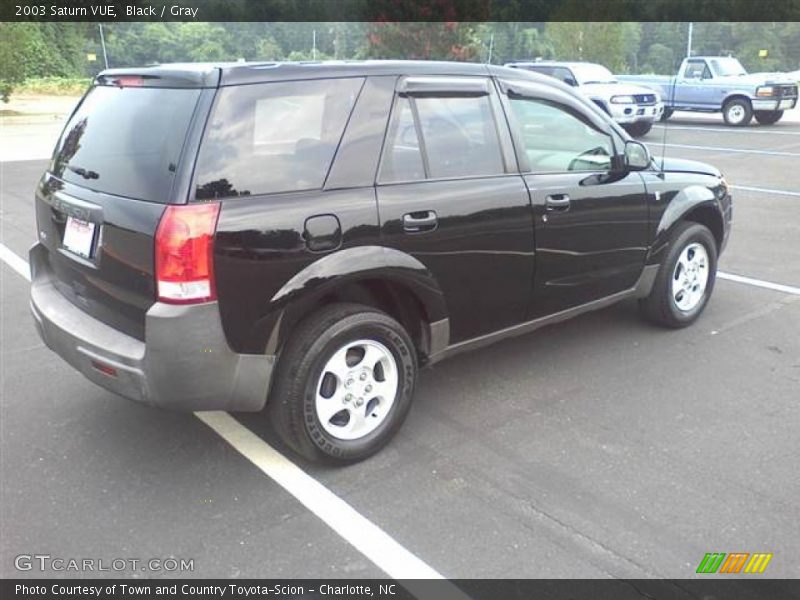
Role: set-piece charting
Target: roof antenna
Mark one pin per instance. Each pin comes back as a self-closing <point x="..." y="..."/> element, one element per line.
<point x="672" y="94"/>
<point x="666" y="121"/>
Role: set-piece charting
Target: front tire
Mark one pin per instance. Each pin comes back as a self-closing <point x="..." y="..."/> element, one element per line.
<point x="639" y="129"/>
<point x="685" y="280"/>
<point x="666" y="114"/>
<point x="768" y="117"/>
<point x="737" y="112"/>
<point x="344" y="384"/>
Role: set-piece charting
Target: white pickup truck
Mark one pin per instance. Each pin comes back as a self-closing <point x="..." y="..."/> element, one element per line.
<point x="634" y="107"/>
<point x="721" y="84"/>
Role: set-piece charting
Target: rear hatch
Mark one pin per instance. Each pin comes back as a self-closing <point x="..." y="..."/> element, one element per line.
<point x="125" y="154"/>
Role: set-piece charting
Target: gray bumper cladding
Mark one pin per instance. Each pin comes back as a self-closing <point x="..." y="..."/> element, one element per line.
<point x="184" y="363"/>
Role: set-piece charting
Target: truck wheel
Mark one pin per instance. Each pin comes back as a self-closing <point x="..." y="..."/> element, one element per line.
<point x="344" y="384"/>
<point x="666" y="114"/>
<point x="737" y="112"/>
<point x="685" y="280"/>
<point x="768" y="117"/>
<point x="639" y="129"/>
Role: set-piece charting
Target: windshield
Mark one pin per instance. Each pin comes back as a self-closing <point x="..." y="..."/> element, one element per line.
<point x="726" y="67"/>
<point x="590" y="73"/>
<point x="126" y="141"/>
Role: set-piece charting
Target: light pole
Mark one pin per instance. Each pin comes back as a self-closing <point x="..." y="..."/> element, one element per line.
<point x="689" y="42"/>
<point x="103" y="44"/>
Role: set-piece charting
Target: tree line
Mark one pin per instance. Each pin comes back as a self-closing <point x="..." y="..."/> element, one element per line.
<point x="31" y="50"/>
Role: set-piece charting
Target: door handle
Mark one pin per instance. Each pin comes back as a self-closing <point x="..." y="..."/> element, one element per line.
<point x="557" y="203"/>
<point x="420" y="221"/>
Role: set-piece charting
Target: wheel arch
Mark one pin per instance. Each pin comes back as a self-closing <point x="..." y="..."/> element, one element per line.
<point x="385" y="279"/>
<point x="695" y="203"/>
<point x="737" y="95"/>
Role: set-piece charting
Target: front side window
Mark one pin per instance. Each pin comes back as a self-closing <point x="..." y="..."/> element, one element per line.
<point x="557" y="139"/>
<point x="565" y="75"/>
<point x="273" y="137"/>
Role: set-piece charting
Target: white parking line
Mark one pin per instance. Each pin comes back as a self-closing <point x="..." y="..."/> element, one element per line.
<point x="778" y="287"/>
<point x="363" y="534"/>
<point x="758" y="131"/>
<point x="15" y="262"/>
<point x="721" y="149"/>
<point x="369" y="539"/>
<point x="748" y="188"/>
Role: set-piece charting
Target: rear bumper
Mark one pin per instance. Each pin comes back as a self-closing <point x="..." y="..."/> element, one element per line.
<point x="184" y="363"/>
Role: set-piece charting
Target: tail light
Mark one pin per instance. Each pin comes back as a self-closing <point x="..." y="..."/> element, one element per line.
<point x="184" y="253"/>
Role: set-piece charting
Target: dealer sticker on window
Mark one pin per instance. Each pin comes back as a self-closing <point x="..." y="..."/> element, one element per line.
<point x="79" y="236"/>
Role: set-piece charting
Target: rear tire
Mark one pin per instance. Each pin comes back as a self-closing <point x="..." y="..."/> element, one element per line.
<point x="685" y="281"/>
<point x="639" y="129"/>
<point x="344" y="384"/>
<point x="737" y="112"/>
<point x="768" y="117"/>
<point x="666" y="114"/>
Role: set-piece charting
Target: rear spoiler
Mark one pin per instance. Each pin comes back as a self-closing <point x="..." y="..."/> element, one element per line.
<point x="166" y="76"/>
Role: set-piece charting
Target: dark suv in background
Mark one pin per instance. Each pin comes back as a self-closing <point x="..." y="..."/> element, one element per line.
<point x="306" y="236"/>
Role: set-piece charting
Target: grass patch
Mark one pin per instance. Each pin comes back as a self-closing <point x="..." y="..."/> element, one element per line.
<point x="53" y="86"/>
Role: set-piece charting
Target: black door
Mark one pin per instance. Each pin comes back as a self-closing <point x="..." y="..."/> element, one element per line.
<point x="590" y="216"/>
<point x="448" y="195"/>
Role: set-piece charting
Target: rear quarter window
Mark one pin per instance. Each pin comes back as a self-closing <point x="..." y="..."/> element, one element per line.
<point x="273" y="137"/>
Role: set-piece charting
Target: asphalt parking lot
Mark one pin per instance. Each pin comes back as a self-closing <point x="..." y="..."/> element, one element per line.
<point x="601" y="447"/>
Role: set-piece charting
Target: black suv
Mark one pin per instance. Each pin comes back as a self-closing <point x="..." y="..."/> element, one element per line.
<point x="211" y="236"/>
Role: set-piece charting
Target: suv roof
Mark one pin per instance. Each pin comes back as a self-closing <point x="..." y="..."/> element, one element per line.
<point x="235" y="73"/>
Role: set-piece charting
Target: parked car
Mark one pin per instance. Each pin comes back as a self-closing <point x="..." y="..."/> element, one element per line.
<point x="721" y="84"/>
<point x="307" y="236"/>
<point x="634" y="107"/>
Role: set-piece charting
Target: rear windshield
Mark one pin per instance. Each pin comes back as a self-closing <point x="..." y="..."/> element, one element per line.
<point x="273" y="137"/>
<point x="126" y="141"/>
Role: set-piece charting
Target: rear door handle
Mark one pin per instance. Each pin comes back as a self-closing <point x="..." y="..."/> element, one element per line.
<point x="420" y="221"/>
<point x="557" y="203"/>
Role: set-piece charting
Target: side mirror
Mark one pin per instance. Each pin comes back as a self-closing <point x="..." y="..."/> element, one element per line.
<point x="637" y="156"/>
<point x="571" y="81"/>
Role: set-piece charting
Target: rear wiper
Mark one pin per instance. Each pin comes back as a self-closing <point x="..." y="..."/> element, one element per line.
<point x="84" y="173"/>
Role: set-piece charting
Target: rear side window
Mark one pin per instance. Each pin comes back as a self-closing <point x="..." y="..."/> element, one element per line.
<point x="460" y="136"/>
<point x="273" y="137"/>
<point x="459" y="139"/>
<point x="126" y="141"/>
<point x="696" y="69"/>
<point x="403" y="158"/>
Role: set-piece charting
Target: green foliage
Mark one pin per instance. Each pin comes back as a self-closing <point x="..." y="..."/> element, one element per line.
<point x="36" y="50"/>
<point x="659" y="59"/>
<point x="514" y="41"/>
<point x="610" y="44"/>
<point x="12" y="72"/>
<point x="41" y="49"/>
<point x="422" y="40"/>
